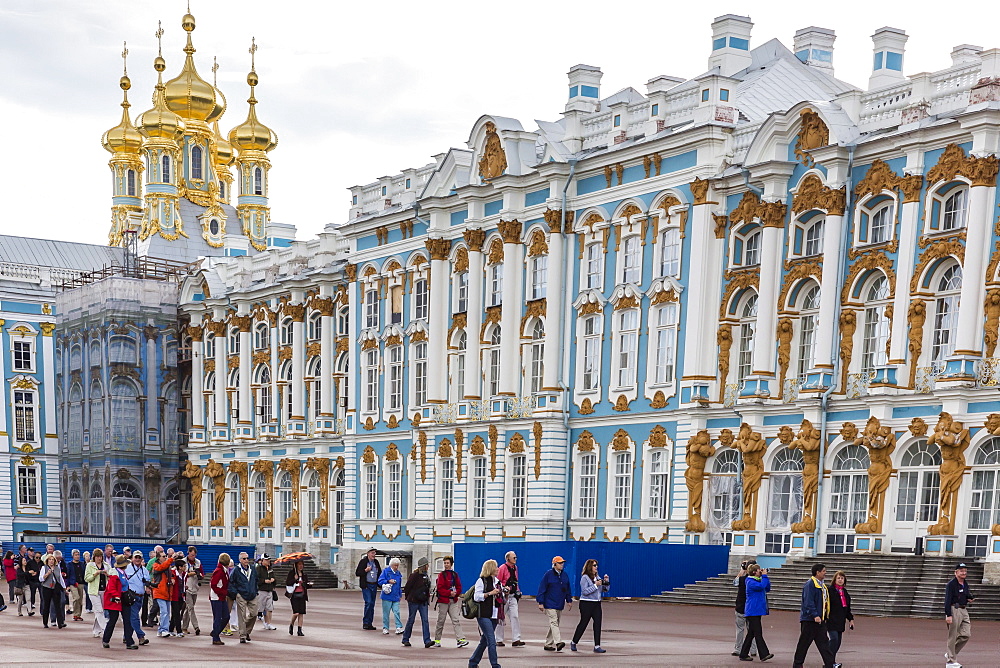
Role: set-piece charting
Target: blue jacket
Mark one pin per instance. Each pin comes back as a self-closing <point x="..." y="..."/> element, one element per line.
<point x="397" y="587"/>
<point x="812" y="602"/>
<point x="756" y="605"/>
<point x="554" y="592"/>
<point x="240" y="584"/>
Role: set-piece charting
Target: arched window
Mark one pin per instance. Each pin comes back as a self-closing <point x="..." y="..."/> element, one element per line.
<point x="876" y="332"/>
<point x="314" y="388"/>
<point x="955" y="210"/>
<point x="670" y="252"/>
<point x="315" y="327"/>
<point x="126" y="507"/>
<point x="946" y="313"/>
<point x="813" y="239"/>
<point x="258" y="181"/>
<point x="631" y="260"/>
<point x="919" y="483"/>
<point x="880" y="222"/>
<point x="262" y="336"/>
<point x="123" y="350"/>
<point x="394" y="374"/>
<point x="172" y="512"/>
<point x="285" y="332"/>
<point x="74" y="509"/>
<point x="75" y="418"/>
<point x="748" y="326"/>
<point x="284" y="485"/>
<point x="808" y="319"/>
<point x="286" y="389"/>
<point x="210" y="346"/>
<point x="196" y="163"/>
<point x="95" y="352"/>
<point x="264" y="398"/>
<point x="124" y="416"/>
<point x="746" y="246"/>
<point x="537" y="357"/>
<point x="130" y="183"/>
<point x="849" y="488"/>
<point x="984" y="508"/>
<point x="222" y="190"/>
<point x="95" y="509"/>
<point x="493" y="356"/>
<point x="313" y="506"/>
<point x="725" y="485"/>
<point x="590" y="368"/>
<point x="165" y="176"/>
<point x="458" y="370"/>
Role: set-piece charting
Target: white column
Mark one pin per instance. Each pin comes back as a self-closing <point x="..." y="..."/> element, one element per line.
<point x="353" y="378"/>
<point x="277" y="410"/>
<point x="767" y="311"/>
<point x="833" y="232"/>
<point x="701" y="319"/>
<point x="221" y="416"/>
<point x="977" y="251"/>
<point x="437" y="347"/>
<point x="326" y="352"/>
<point x="48" y="426"/>
<point x="510" y="318"/>
<point x="297" y="313"/>
<point x="554" y="299"/>
<point x="197" y="377"/>
<point x="474" y="315"/>
<point x="245" y="421"/>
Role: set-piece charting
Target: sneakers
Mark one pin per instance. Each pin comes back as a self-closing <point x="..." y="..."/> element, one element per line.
<point x="385" y="632"/>
<point x="462" y="642"/>
<point x="549" y="649"/>
<point x="437" y="643"/>
<point x="559" y="646"/>
<point x="599" y="650"/>
<point x="143" y="641"/>
<point x="399" y="632"/>
<point x="771" y="656"/>
<point x="107" y="645"/>
<point x="572" y="647"/>
<point x="131" y="647"/>
<point x="406" y="643"/>
<point x="163" y="634"/>
<point x="428" y="645"/>
<point x="218" y="642"/>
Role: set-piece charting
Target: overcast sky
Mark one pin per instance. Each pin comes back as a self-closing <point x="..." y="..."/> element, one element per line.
<point x="358" y="90"/>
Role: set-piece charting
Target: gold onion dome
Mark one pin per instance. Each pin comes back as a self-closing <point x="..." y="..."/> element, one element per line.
<point x="224" y="152"/>
<point x="252" y="134"/>
<point x="124" y="137"/>
<point x="188" y="94"/>
<point x="159" y="121"/>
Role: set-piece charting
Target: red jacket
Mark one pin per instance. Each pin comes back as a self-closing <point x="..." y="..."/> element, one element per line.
<point x="445" y="581"/>
<point x="220" y="582"/>
<point x="113" y="592"/>
<point x="177" y="592"/>
<point x="8" y="570"/>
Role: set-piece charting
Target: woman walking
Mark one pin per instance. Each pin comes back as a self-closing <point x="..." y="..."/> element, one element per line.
<point x="53" y="585"/>
<point x="391" y="582"/>
<point x="487" y="593"/>
<point x="840" y="613"/>
<point x="297" y="589"/>
<point x="592" y="588"/>
<point x="10" y="575"/>
<point x="218" y="596"/>
<point x="116" y="605"/>
<point x="758" y="584"/>
<point x="179" y="572"/>
<point x="97" y="583"/>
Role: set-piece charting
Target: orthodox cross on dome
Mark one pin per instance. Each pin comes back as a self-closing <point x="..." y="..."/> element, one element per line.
<point x="159" y="38"/>
<point x="253" y="51"/>
<point x="215" y="69"/>
<point x="125" y="58"/>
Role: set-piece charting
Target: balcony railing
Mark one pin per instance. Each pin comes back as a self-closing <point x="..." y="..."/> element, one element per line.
<point x="445" y="413"/>
<point x="521" y="407"/>
<point x="926" y="379"/>
<point x="731" y="394"/>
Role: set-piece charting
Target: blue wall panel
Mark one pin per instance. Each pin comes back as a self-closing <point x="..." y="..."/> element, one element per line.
<point x="626" y="564"/>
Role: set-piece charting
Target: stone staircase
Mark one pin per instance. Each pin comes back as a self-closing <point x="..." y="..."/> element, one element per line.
<point x="321" y="578"/>
<point x="880" y="585"/>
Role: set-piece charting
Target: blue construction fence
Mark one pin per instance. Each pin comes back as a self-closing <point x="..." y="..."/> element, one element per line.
<point x="636" y="570"/>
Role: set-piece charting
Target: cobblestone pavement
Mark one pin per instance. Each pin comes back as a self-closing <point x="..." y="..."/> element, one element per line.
<point x="634" y="634"/>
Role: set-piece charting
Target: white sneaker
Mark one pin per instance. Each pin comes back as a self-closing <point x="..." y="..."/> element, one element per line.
<point x="953" y="664"/>
<point x="163" y="634"/>
<point x="385" y="632"/>
<point x="399" y="632"/>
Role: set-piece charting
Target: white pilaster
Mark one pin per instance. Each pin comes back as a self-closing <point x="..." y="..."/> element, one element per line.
<point x="554" y="318"/>
<point x="510" y="318"/>
<point x="474" y="315"/>
<point x="437" y="348"/>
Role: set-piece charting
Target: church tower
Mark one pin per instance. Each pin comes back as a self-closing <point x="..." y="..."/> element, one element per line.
<point x="124" y="142"/>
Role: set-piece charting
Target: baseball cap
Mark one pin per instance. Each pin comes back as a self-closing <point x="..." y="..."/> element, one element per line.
<point x="558" y="560"/>
<point x="960" y="565"/>
<point x="371" y="549"/>
<point x="264" y="556"/>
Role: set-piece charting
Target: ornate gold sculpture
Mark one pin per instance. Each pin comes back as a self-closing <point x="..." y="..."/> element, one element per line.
<point x="808" y="441"/>
<point x="725" y="341"/>
<point x="812" y="194"/>
<point x="918" y="427"/>
<point x="194" y="473"/>
<point x="658" y="437"/>
<point x="321" y="465"/>
<point x="292" y="466"/>
<point x="848" y="324"/>
<point x="934" y="252"/>
<point x="953" y="439"/>
<point x="752" y="445"/>
<point x="880" y="442"/>
<point x="241" y="469"/>
<point x="786" y="435"/>
<point x="536" y="431"/>
<point x="953" y="162"/>
<point x="785" y="333"/>
<point x="699" y="190"/>
<point x="813" y="134"/>
<point x="699" y="449"/>
<point x="494" y="436"/>
<point x="493" y="163"/>
<point x="916" y="316"/>
<point x="217" y="473"/>
<point x="992" y="328"/>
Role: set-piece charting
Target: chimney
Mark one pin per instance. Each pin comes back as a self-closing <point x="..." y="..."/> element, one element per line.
<point x="964" y="54"/>
<point x="814" y="46"/>
<point x="889" y="44"/>
<point x="730" y="44"/>
<point x="584" y="88"/>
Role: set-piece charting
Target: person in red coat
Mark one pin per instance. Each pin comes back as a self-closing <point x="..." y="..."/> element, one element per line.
<point x="117" y="587"/>
<point x="218" y="595"/>
<point x="449" y="594"/>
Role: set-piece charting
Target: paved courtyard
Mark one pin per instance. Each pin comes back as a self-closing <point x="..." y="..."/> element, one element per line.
<point x="635" y="634"/>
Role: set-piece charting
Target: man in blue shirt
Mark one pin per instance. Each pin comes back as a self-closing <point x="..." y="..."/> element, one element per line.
<point x="138" y="582"/>
<point x="553" y="595"/>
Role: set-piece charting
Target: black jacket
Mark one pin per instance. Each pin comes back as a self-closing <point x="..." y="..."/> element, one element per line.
<point x="417" y="589"/>
<point x="838" y="613"/>
<point x="293" y="578"/>
<point x="360" y="571"/>
<point x="741" y="593"/>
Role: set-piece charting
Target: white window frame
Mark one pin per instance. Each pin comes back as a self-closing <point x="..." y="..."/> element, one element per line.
<point x="371" y="381"/>
<point x="664" y="322"/>
<point x="812" y="237"/>
<point x="447" y="485"/>
<point x="670" y="252"/>
<point x="394" y="379"/>
<point x="807" y="330"/>
<point x="954" y="209"/>
<point x="875" y="326"/>
<point x="371" y="306"/>
<point x="517" y="483"/>
<point x="631" y="260"/>
<point x="393" y="474"/>
<point x="587" y="485"/>
<point x="458" y="362"/>
<point x="495" y="284"/>
<point x="621" y="483"/>
<point x="29" y="481"/>
<point x="26" y="414"/>
<point x="369" y="490"/>
<point x="478" y="488"/>
<point x="944" y="332"/>
<point x="421" y="299"/>
<point x="491" y="359"/>
<point x="461" y="292"/>
<point x="594" y="263"/>
<point x="538" y="273"/>
<point x="419" y="353"/>
<point x="626" y="349"/>
<point x="22" y="354"/>
<point x="535" y="359"/>
<point x="656" y="484"/>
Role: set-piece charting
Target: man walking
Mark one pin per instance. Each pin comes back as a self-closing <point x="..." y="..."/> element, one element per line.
<point x="265" y="585"/>
<point x="812" y="619"/>
<point x="449" y="593"/>
<point x="418" y="595"/>
<point x="956" y="597"/>
<point x="243" y="582"/>
<point x="741" y="600"/>
<point x="507" y="575"/>
<point x="138" y="582"/>
<point x="192" y="583"/>
<point x="553" y="595"/>
<point x="74" y="582"/>
<point x="368" y="572"/>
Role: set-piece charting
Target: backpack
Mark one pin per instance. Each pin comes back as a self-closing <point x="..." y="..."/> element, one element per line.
<point x="470" y="607"/>
<point x="422" y="592"/>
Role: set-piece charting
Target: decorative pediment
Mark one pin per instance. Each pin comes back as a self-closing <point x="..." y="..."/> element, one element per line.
<point x="663" y="290"/>
<point x="626" y="296"/>
<point x="813" y="194"/>
<point x="589" y="301"/>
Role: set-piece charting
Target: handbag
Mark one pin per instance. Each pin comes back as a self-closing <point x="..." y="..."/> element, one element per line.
<point x="18" y="591"/>
<point x="128" y="597"/>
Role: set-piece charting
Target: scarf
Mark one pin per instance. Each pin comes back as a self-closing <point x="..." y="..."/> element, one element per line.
<point x="826" y="596"/>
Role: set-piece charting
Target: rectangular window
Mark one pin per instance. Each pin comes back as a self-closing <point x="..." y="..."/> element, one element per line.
<point x="670" y="252"/>
<point x="906" y="500"/>
<point x="460" y="376"/>
<point x="595" y="266"/>
<point x="371" y="492"/>
<point x="462" y="292"/>
<point x="623" y="486"/>
<point x="447" y="488"/>
<point x="496" y="284"/>
<point x="407" y="184"/>
<point x="420" y="374"/>
<point x="539" y="276"/>
<point x="494" y="354"/>
<point x="354" y="200"/>
<point x="371" y="308"/>
<point x="394" y="476"/>
<point x="876" y="335"/>
<point x="537" y="365"/>
<point x="395" y="378"/>
<point x="655" y="111"/>
<point x="785" y="506"/>
<point x="618" y="120"/>
<point x="518" y="486"/>
<point x="396" y="302"/>
<point x="27" y="486"/>
<point x="659" y="490"/>
<point x="665" y="339"/>
<point x="22" y="356"/>
<point x="591" y="353"/>
<point x="849" y="500"/>
<point x="976" y="546"/>
<point x="724" y="94"/>
<point x="807" y="345"/>
<point x="479" y="487"/>
<point x="704" y="95"/>
<point x="628" y="339"/>
<point x="632" y="261"/>
<point x="587" y="508"/>
<point x="371" y="381"/>
<point x="777" y="543"/>
<point x="24" y="416"/>
<point x="420" y="297"/>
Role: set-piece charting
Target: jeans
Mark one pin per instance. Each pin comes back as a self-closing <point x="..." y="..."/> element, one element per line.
<point x="589" y="610"/>
<point x="109" y="630"/>
<point x="810" y="633"/>
<point x="394" y="607"/>
<point x="370" y="592"/>
<point x="755" y="635"/>
<point x="133" y="617"/>
<point x="487" y="643"/>
<point x="220" y="615"/>
<point x="164" y="607"/>
<point x="414" y="610"/>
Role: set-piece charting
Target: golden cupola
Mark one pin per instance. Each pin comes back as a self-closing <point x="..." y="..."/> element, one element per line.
<point x="124" y="137"/>
<point x="188" y="95"/>
<point x="160" y="122"/>
<point x="251" y="134"/>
